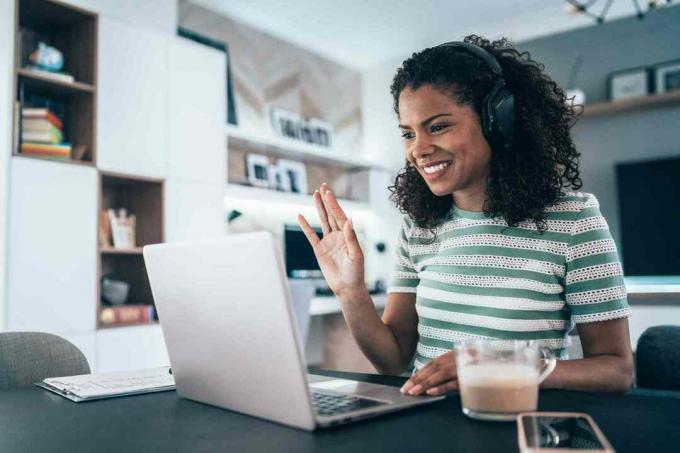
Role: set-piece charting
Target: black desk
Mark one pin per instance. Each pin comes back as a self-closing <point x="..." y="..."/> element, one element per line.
<point x="35" y="420"/>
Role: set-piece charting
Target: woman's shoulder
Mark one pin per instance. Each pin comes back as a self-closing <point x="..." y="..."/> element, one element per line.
<point x="573" y="202"/>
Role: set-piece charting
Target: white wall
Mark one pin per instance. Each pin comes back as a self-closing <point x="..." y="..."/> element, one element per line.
<point x="382" y="144"/>
<point x="152" y="15"/>
<point x="6" y="80"/>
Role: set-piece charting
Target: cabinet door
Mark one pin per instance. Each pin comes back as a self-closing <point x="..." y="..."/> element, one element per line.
<point x="52" y="247"/>
<point x="196" y="112"/>
<point x="131" y="100"/>
<point x="130" y="348"/>
<point x="194" y="210"/>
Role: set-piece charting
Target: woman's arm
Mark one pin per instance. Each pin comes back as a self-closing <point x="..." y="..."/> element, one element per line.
<point x="389" y="344"/>
<point x="607" y="365"/>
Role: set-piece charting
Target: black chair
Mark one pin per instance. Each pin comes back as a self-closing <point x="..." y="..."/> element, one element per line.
<point x="657" y="358"/>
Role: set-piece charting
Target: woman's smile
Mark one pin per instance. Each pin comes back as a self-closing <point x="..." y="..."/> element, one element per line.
<point x="434" y="170"/>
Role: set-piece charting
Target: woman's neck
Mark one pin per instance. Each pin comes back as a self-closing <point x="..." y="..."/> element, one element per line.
<point x="470" y="199"/>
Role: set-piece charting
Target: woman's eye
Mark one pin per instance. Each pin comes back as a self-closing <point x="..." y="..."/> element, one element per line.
<point x="406" y="135"/>
<point x="438" y="127"/>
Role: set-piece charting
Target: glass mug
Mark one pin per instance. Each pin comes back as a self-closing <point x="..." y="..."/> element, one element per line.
<point x="499" y="378"/>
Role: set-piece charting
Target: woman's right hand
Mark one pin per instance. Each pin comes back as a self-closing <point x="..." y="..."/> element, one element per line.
<point x="338" y="252"/>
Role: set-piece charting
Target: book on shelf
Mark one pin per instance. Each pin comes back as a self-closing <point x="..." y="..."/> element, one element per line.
<point x="50" y="136"/>
<point x="59" y="152"/>
<point x="60" y="76"/>
<point x="127" y="314"/>
<point x="104" y="229"/>
<point x="123" y="227"/>
<point x="35" y="113"/>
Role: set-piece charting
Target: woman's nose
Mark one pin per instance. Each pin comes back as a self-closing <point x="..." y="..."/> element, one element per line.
<point x="421" y="147"/>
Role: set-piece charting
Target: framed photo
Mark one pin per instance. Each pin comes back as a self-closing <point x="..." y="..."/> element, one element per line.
<point x="321" y="131"/>
<point x="293" y="176"/>
<point x="258" y="170"/>
<point x="629" y="83"/>
<point x="285" y="123"/>
<point x="667" y="76"/>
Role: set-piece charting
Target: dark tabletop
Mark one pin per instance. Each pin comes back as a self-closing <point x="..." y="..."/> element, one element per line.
<point x="34" y="420"/>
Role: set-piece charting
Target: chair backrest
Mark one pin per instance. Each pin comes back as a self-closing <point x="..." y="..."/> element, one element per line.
<point x="28" y="357"/>
<point x="658" y="358"/>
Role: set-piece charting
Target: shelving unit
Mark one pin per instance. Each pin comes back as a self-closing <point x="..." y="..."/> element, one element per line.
<point x="273" y="196"/>
<point x="349" y="176"/>
<point x="144" y="198"/>
<point x="632" y="104"/>
<point x="74" y="32"/>
<point x="297" y="150"/>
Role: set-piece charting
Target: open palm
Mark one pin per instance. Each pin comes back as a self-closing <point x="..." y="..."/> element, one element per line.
<point x="338" y="252"/>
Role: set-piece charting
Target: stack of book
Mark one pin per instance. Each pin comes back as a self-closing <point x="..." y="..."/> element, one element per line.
<point x="41" y="134"/>
<point x="127" y="314"/>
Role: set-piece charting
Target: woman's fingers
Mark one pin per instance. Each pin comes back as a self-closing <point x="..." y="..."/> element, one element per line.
<point x="441" y="389"/>
<point x="323" y="215"/>
<point x="333" y="207"/>
<point x="309" y="231"/>
<point x="438" y="378"/>
<point x="353" y="247"/>
<point x="331" y="218"/>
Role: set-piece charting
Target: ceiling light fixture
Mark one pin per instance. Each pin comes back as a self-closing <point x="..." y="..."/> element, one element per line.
<point x="589" y="8"/>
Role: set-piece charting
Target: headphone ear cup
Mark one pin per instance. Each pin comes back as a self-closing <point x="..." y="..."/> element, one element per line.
<point x="501" y="115"/>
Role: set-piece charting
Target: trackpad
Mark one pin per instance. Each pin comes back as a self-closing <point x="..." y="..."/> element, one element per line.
<point x="337" y="385"/>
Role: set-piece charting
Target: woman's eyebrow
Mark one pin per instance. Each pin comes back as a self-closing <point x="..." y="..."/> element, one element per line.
<point x="426" y="121"/>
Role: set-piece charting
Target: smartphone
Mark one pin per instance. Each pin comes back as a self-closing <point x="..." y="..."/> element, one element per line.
<point x="557" y="432"/>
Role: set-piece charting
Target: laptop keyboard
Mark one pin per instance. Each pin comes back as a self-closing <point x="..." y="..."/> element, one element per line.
<point x="328" y="404"/>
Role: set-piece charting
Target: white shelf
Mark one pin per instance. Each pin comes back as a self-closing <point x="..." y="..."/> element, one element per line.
<point x="273" y="196"/>
<point x="327" y="305"/>
<point x="295" y="149"/>
<point x="653" y="285"/>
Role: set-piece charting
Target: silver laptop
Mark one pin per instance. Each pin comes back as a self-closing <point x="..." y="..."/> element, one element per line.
<point x="228" y="324"/>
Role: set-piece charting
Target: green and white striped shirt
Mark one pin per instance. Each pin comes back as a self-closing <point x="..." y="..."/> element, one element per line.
<point x="483" y="279"/>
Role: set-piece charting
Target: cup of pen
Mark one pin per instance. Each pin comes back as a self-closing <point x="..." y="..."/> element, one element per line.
<point x="500" y="378"/>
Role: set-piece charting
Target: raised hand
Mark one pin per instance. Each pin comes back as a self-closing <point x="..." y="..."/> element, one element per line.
<point x="338" y="252"/>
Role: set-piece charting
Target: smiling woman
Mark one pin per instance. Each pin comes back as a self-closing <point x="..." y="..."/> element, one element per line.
<point x="491" y="246"/>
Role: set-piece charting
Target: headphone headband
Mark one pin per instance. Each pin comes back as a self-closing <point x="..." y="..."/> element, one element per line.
<point x="478" y="52"/>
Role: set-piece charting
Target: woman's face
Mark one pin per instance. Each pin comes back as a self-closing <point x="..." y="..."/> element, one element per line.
<point x="443" y="140"/>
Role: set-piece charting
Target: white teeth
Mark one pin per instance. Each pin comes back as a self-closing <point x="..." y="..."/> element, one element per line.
<point x="436" y="168"/>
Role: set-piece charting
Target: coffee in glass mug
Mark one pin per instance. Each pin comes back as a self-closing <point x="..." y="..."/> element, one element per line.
<point x="499" y="378"/>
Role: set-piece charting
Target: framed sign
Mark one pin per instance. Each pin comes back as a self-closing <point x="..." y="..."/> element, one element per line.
<point x="628" y="83"/>
<point x="667" y="76"/>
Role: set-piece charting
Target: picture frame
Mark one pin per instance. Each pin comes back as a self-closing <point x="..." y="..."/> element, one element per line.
<point x="291" y="125"/>
<point x="257" y="167"/>
<point x="322" y="132"/>
<point x="293" y="176"/>
<point x="629" y="83"/>
<point x="285" y="123"/>
<point x="667" y="76"/>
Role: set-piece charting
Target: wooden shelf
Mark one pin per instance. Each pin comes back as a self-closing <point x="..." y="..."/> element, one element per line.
<point x="73" y="31"/>
<point x="44" y="83"/>
<point x="131" y="324"/>
<point x="113" y="251"/>
<point x="297" y="150"/>
<point x="85" y="163"/>
<point x="632" y="104"/>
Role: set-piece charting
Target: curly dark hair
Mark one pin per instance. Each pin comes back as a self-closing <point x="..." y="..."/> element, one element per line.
<point x="542" y="160"/>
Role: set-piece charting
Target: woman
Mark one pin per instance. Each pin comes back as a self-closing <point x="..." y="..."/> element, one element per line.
<point x="491" y="245"/>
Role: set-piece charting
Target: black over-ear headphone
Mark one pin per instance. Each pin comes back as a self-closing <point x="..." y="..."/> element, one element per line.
<point x="498" y="107"/>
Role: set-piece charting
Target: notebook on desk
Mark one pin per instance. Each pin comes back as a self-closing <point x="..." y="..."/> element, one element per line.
<point x="88" y="387"/>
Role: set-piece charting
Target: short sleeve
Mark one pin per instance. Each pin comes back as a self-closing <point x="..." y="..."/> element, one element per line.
<point x="404" y="275"/>
<point x="594" y="288"/>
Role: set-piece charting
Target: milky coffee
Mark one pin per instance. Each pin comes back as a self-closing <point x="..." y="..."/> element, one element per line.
<point x="499" y="387"/>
